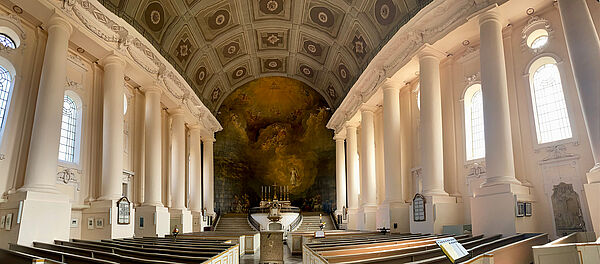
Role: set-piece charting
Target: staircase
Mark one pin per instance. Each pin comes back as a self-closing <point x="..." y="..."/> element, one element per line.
<point x="310" y="222"/>
<point x="234" y="223"/>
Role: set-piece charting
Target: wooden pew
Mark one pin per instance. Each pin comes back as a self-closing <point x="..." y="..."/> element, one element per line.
<point x="57" y="255"/>
<point x="16" y="257"/>
<point x="96" y="254"/>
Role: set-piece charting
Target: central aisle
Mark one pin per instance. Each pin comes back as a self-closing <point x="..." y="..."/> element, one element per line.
<point x="287" y="257"/>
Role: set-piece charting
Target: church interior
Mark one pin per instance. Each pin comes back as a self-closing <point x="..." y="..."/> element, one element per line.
<point x="300" y="131"/>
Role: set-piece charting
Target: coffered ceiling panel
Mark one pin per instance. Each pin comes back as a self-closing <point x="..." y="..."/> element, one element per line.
<point x="219" y="45"/>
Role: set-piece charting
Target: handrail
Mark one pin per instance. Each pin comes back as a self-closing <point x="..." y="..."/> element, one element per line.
<point x="295" y="223"/>
<point x="334" y="220"/>
<point x="213" y="225"/>
<point x="253" y="222"/>
<point x="284" y="209"/>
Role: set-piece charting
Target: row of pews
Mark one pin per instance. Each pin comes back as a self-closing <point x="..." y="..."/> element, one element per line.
<point x="417" y="248"/>
<point x="127" y="251"/>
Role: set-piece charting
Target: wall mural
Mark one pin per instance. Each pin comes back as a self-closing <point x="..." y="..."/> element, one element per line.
<point x="274" y="133"/>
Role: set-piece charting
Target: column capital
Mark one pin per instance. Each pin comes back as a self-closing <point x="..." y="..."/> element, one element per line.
<point x="176" y="112"/>
<point x="58" y="21"/>
<point x="391" y="84"/>
<point x="208" y="138"/>
<point x="490" y="14"/>
<point x="428" y="51"/>
<point x="351" y="124"/>
<point x="151" y="89"/>
<point x="340" y="136"/>
<point x="113" y="58"/>
<point x="368" y="108"/>
<point x="195" y="128"/>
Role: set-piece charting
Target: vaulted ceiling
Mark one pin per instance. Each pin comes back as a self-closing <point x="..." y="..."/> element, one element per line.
<point x="219" y="45"/>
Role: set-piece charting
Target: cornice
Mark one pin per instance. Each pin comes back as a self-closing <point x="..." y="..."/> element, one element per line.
<point x="431" y="24"/>
<point x="130" y="44"/>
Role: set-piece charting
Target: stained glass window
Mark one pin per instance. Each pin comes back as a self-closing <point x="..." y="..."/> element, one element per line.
<point x="5" y="84"/>
<point x="6" y="41"/>
<point x="474" y="128"/>
<point x="549" y="106"/>
<point x="68" y="132"/>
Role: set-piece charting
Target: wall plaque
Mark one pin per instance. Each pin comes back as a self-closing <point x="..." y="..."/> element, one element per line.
<point x="124" y="209"/>
<point x="419" y="208"/>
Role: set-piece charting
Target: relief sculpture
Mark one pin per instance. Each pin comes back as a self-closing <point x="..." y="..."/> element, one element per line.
<point x="567" y="210"/>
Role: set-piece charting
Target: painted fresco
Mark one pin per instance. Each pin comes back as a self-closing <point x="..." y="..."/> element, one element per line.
<point x="274" y="133"/>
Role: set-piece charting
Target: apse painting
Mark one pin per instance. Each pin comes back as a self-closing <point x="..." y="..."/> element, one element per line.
<point x="274" y="133"/>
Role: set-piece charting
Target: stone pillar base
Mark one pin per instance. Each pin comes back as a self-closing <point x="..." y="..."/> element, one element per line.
<point x="353" y="219"/>
<point x="383" y="216"/>
<point x="493" y="210"/>
<point x="182" y="218"/>
<point x="368" y="215"/>
<point x="399" y="217"/>
<point x="152" y="221"/>
<point x="103" y="214"/>
<point x="45" y="217"/>
<point x="592" y="194"/>
<point x="439" y="212"/>
<point x="197" y="223"/>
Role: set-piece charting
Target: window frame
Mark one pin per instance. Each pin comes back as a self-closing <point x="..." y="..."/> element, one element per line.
<point x="78" y="131"/>
<point x="467" y="96"/>
<point x="529" y="75"/>
<point x="7" y="65"/>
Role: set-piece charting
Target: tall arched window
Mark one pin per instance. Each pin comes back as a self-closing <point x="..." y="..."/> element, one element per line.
<point x="5" y="91"/>
<point x="548" y="99"/>
<point x="474" y="133"/>
<point x="68" y="150"/>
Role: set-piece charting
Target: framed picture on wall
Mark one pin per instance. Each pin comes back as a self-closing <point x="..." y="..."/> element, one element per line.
<point x="528" y="209"/>
<point x="141" y="222"/>
<point x="520" y="209"/>
<point x="8" y="222"/>
<point x="74" y="222"/>
<point x="123" y="209"/>
<point x="90" y="223"/>
<point x="2" y="221"/>
<point x="99" y="222"/>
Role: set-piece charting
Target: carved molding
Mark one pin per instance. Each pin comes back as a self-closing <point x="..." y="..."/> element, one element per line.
<point x="558" y="152"/>
<point x="476" y="169"/>
<point x="534" y="23"/>
<point x="472" y="79"/>
<point x="68" y="176"/>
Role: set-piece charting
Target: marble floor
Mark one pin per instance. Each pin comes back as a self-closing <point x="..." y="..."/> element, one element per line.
<point x="288" y="258"/>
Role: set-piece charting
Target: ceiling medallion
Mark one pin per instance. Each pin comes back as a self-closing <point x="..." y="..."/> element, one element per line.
<point x="154" y="16"/>
<point x="344" y="73"/>
<point x="385" y="12"/>
<point x="530" y="11"/>
<point x="231" y="49"/>
<point x="239" y="72"/>
<point x="312" y="48"/>
<point x="216" y="93"/>
<point x="80" y="50"/>
<point x="201" y="75"/>
<point x="332" y="93"/>
<point x="307" y="71"/>
<point x="18" y="9"/>
<point x="322" y="16"/>
<point x="271" y="7"/>
<point x="466" y="42"/>
<point x="359" y="46"/>
<point x="219" y="19"/>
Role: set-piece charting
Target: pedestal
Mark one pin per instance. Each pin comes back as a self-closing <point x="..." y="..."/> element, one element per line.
<point x="353" y="219"/>
<point x="271" y="247"/>
<point x="152" y="221"/>
<point x="103" y="214"/>
<point x="197" y="223"/>
<point x="182" y="218"/>
<point x="45" y="217"/>
<point x="439" y="211"/>
<point x="383" y="216"/>
<point x="399" y="217"/>
<point x="592" y="194"/>
<point x="369" y="218"/>
<point x="493" y="210"/>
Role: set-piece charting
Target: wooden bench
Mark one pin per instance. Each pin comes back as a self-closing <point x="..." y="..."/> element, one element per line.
<point x="57" y="255"/>
<point x="16" y="257"/>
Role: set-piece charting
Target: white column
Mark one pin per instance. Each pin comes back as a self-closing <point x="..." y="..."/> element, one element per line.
<point x="112" y="127"/>
<point x="500" y="167"/>
<point x="207" y="174"/>
<point x="153" y="155"/>
<point x="352" y="166"/>
<point x="45" y="135"/>
<point x="432" y="162"/>
<point x="367" y="161"/>
<point x="391" y="137"/>
<point x="340" y="173"/>
<point x="177" y="159"/>
<point x="584" y="51"/>
<point x="195" y="170"/>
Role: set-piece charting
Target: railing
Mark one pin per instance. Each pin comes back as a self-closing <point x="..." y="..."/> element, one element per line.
<point x="285" y="209"/>
<point x="253" y="222"/>
<point x="334" y="220"/>
<point x="213" y="225"/>
<point x="296" y="223"/>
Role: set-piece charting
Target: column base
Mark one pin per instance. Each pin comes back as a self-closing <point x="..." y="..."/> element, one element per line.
<point x="399" y="217"/>
<point x="44" y="217"/>
<point x="182" y="218"/>
<point x="592" y="194"/>
<point x="383" y="216"/>
<point x="103" y="216"/>
<point x="440" y="211"/>
<point x="493" y="210"/>
<point x="353" y="219"/>
<point x="152" y="221"/>
<point x="368" y="218"/>
<point x="197" y="222"/>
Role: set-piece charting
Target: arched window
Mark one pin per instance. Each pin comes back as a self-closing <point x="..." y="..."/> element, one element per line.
<point x="419" y="99"/>
<point x="7" y="41"/>
<point x="474" y="133"/>
<point x="548" y="99"/>
<point x="68" y="150"/>
<point x="5" y="91"/>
